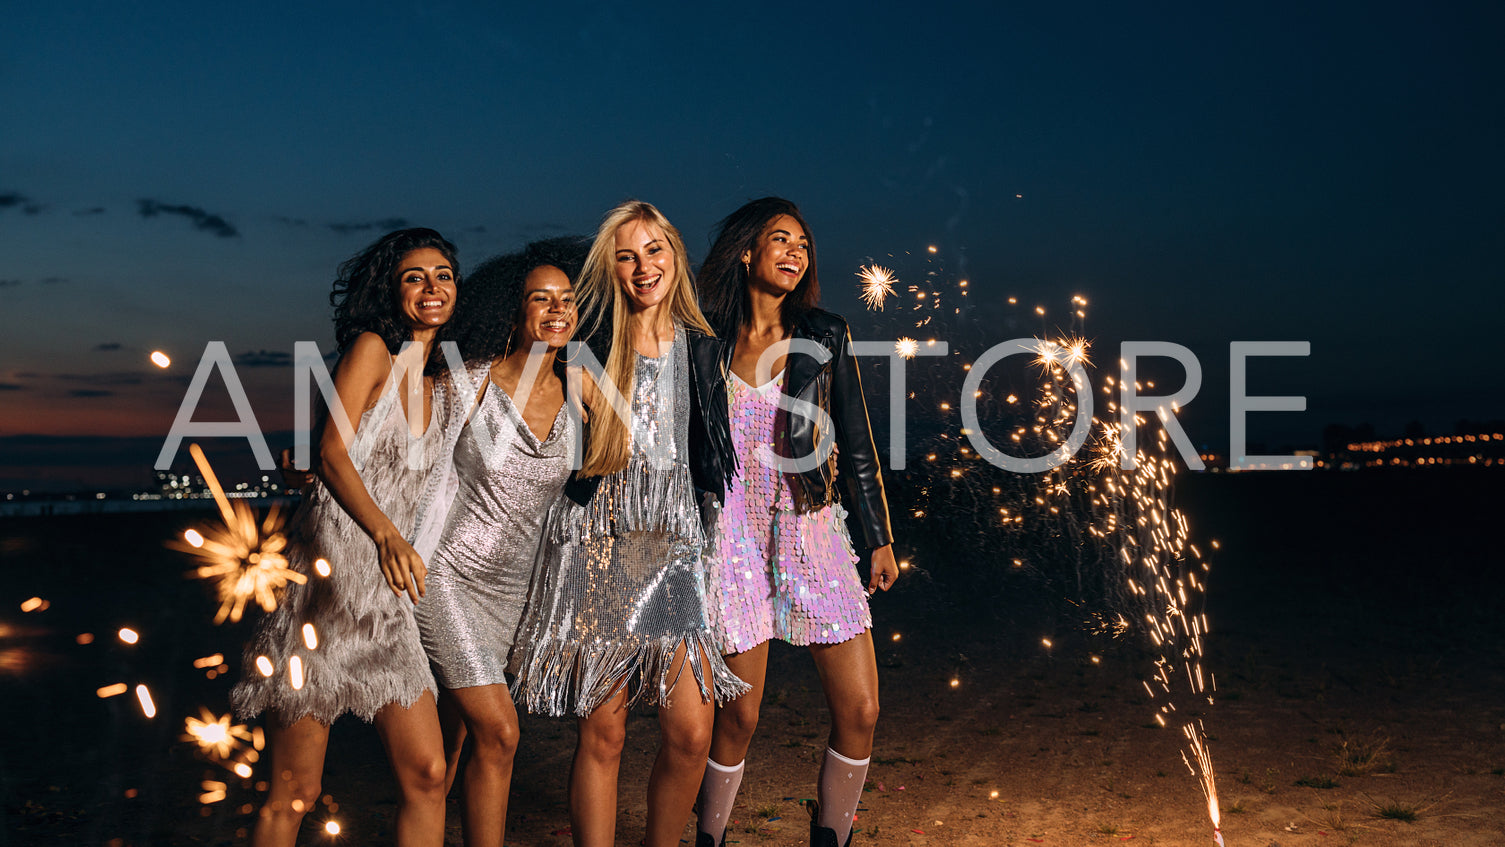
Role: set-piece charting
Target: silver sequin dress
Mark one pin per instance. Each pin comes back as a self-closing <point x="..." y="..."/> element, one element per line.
<point x="478" y="579"/>
<point x="367" y="654"/>
<point x="619" y="585"/>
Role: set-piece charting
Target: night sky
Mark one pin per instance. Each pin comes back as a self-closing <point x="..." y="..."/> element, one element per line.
<point x="178" y="174"/>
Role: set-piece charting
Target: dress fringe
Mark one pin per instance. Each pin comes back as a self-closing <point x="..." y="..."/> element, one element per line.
<point x="567" y="677"/>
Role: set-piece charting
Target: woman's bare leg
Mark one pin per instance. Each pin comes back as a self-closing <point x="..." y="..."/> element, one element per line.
<point x="452" y="727"/>
<point x="415" y="748"/>
<point x="593" y="773"/>
<point x="849" y="675"/>
<point x="297" y="760"/>
<point x="685" y="722"/>
<point x="491" y="720"/>
<point x="737" y="719"/>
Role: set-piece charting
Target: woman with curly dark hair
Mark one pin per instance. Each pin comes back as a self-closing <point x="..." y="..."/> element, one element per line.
<point x="510" y="464"/>
<point x="779" y="560"/>
<point x="344" y="639"/>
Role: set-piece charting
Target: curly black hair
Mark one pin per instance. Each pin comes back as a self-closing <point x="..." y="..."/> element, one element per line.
<point x="494" y="294"/>
<point x="723" y="277"/>
<point x="364" y="297"/>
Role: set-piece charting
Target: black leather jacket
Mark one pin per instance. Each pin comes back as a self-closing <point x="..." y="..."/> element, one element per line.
<point x="835" y="387"/>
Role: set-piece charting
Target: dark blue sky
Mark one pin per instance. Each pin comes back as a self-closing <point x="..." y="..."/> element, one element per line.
<point x="175" y="174"/>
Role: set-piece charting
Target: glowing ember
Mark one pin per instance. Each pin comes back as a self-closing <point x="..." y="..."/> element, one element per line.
<point x="148" y="708"/>
<point x="877" y="285"/>
<point x="34" y="604"/>
<point x="310" y="636"/>
<point x="295" y="673"/>
<point x="264" y="665"/>
<point x="113" y="690"/>
<point x="192" y="537"/>
<point x="160" y="359"/>
<point x="332" y="827"/>
<point x="321" y="567"/>
<point x="906" y="348"/>
<point x="128" y="635"/>
<point x="242" y="770"/>
<point x="214" y="791"/>
<point x="210" y="661"/>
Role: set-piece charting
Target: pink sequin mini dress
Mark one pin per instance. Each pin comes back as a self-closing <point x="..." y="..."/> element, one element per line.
<point x="773" y="572"/>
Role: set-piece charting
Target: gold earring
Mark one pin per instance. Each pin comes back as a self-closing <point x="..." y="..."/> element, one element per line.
<point x="747" y="267"/>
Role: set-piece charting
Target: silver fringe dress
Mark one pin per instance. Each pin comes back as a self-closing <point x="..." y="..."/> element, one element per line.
<point x="478" y="579"/>
<point x="619" y="586"/>
<point x="366" y="651"/>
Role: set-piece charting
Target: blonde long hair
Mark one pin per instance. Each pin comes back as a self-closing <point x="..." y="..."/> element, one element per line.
<point x="599" y="294"/>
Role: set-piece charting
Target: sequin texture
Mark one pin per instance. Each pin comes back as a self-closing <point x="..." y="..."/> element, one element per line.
<point x="771" y="571"/>
<point x="478" y="579"/>
<point x="619" y="587"/>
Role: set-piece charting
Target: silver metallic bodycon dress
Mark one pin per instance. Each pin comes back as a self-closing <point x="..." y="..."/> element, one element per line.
<point x="619" y="586"/>
<point x="366" y="651"/>
<point x="478" y="578"/>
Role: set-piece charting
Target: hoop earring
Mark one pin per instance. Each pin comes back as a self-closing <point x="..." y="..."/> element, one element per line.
<point x="510" y="336"/>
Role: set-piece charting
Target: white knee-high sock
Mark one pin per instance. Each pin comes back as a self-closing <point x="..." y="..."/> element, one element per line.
<point x="839" y="792"/>
<point x="718" y="792"/>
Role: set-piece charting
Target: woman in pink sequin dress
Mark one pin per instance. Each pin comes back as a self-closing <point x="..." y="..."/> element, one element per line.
<point x="780" y="562"/>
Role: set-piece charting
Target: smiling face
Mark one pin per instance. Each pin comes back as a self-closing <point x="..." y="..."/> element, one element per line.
<point x="644" y="264"/>
<point x="425" y="289"/>
<point x="780" y="257"/>
<point x="548" y="310"/>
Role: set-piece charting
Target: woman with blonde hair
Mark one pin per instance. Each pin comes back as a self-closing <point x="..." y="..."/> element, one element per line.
<point x="617" y="611"/>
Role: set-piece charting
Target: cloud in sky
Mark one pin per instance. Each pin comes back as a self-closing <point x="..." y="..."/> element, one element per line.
<point x="94" y="210"/>
<point x="201" y="219"/>
<point x="385" y="224"/>
<point x="107" y="347"/>
<point x="9" y="283"/>
<point x="15" y="199"/>
<point x="107" y="378"/>
<point x="263" y="359"/>
<point x="11" y="386"/>
<point x="90" y="392"/>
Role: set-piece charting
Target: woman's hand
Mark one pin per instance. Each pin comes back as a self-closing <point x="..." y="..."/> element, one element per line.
<point x="293" y="477"/>
<point x="401" y="565"/>
<point x="883" y="571"/>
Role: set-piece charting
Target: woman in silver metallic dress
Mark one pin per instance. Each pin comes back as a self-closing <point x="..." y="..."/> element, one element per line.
<point x="617" y="612"/>
<point x="344" y="640"/>
<point x="511" y="461"/>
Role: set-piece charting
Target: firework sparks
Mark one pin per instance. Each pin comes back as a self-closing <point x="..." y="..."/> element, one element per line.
<point x="144" y="696"/>
<point x="160" y="359"/>
<point x="877" y="285"/>
<point x="245" y="559"/>
<point x="906" y="348"/>
<point x="216" y="735"/>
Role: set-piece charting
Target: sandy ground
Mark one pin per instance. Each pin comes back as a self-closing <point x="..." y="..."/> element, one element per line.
<point x="1360" y="701"/>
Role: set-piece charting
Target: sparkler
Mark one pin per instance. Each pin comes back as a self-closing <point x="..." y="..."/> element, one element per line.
<point x="247" y="560"/>
<point x="877" y="285"/>
<point x="1110" y="539"/>
<point x="216" y="735"/>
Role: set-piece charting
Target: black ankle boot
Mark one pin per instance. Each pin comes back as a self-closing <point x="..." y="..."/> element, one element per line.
<point x="822" y="836"/>
<point x="704" y="840"/>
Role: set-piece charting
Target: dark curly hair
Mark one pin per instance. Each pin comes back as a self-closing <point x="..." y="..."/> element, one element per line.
<point x="364" y="297"/>
<point x="494" y="294"/>
<point x="723" y="277"/>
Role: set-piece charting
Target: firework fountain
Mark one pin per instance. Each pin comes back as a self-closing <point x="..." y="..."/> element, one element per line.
<point x="1101" y="530"/>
